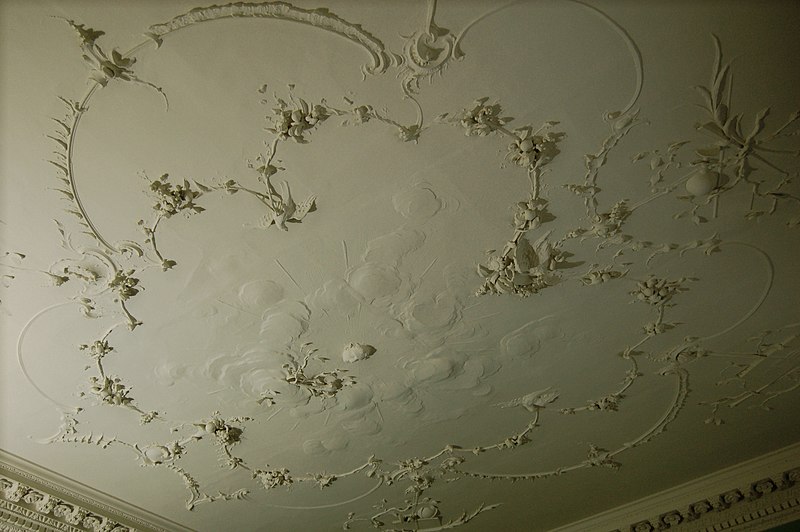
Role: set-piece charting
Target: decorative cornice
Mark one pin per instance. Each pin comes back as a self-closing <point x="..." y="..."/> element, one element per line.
<point x="16" y="517"/>
<point x="751" y="495"/>
<point x="35" y="498"/>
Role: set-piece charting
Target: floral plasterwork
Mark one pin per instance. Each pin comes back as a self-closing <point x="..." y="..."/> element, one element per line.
<point x="382" y="309"/>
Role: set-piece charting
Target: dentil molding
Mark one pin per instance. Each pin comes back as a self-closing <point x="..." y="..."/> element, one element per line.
<point x="754" y="495"/>
<point x="35" y="498"/>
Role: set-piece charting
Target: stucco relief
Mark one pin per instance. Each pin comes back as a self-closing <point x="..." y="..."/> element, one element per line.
<point x="38" y="508"/>
<point x="378" y="308"/>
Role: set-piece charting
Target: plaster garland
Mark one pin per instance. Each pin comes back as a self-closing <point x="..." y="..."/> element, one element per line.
<point x="745" y="363"/>
<point x="522" y="268"/>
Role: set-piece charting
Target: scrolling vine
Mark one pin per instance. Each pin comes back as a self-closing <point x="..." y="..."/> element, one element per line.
<point x="113" y="273"/>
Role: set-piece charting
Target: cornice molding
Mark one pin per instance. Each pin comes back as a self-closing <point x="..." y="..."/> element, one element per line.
<point x="752" y="495"/>
<point x="35" y="498"/>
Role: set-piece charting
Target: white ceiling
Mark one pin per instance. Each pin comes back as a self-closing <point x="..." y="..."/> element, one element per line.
<point x="407" y="135"/>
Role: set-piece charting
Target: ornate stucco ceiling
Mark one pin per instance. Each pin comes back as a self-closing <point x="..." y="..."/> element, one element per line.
<point x="404" y="264"/>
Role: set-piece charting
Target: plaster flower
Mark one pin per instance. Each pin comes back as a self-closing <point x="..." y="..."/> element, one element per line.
<point x="525" y="151"/>
<point x="273" y="478"/>
<point x="117" y="67"/>
<point x="482" y="119"/>
<point x="110" y="391"/>
<point x="97" y="349"/>
<point x="655" y="291"/>
<point x="324" y="481"/>
<point x="223" y="431"/>
<point x="292" y="123"/>
<point x="174" y="198"/>
<point x="530" y="214"/>
<point x="125" y="284"/>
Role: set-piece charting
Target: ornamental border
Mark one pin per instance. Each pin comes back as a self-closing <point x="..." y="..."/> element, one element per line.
<point x="75" y="493"/>
<point x="751" y="495"/>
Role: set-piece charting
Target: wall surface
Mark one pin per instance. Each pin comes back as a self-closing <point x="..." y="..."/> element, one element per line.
<point x="405" y="265"/>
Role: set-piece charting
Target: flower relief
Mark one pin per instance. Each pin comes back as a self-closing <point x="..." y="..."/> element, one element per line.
<point x="523" y="266"/>
<point x="105" y="68"/>
<point x="482" y="119"/>
<point x="97" y="349"/>
<point x="172" y="199"/>
<point x="522" y="269"/>
<point x="273" y="478"/>
<point x="655" y="291"/>
<point x="294" y="121"/>
<point x="526" y="149"/>
<point x="110" y="390"/>
<point x="223" y="431"/>
<point x="125" y="284"/>
<point x="531" y="214"/>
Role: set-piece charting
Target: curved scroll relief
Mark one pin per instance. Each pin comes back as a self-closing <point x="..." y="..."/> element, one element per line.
<point x="522" y="268"/>
<point x="420" y="51"/>
<point x="319" y="18"/>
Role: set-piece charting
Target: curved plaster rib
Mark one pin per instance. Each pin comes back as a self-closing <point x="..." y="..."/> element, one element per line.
<point x="636" y="55"/>
<point x="323" y="506"/>
<point x="605" y="456"/>
<point x="770" y="278"/>
<point x="20" y="359"/>
<point x="70" y="158"/>
<point x="669" y="416"/>
<point x="634" y="51"/>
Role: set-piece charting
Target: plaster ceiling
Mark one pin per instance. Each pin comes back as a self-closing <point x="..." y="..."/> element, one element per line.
<point x="397" y="263"/>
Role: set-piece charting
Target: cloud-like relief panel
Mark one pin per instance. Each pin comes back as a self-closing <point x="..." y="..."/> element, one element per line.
<point x="256" y="372"/>
<point x="417" y="203"/>
<point x="392" y="247"/>
<point x="336" y="295"/>
<point x="284" y="323"/>
<point x="336" y="442"/>
<point x="400" y="396"/>
<point x="260" y="294"/>
<point x="374" y="281"/>
<point x="527" y="340"/>
<point x="431" y="315"/>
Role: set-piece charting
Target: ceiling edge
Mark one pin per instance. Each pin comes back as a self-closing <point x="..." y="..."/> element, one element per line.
<point x="35" y="498"/>
<point x="752" y="495"/>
